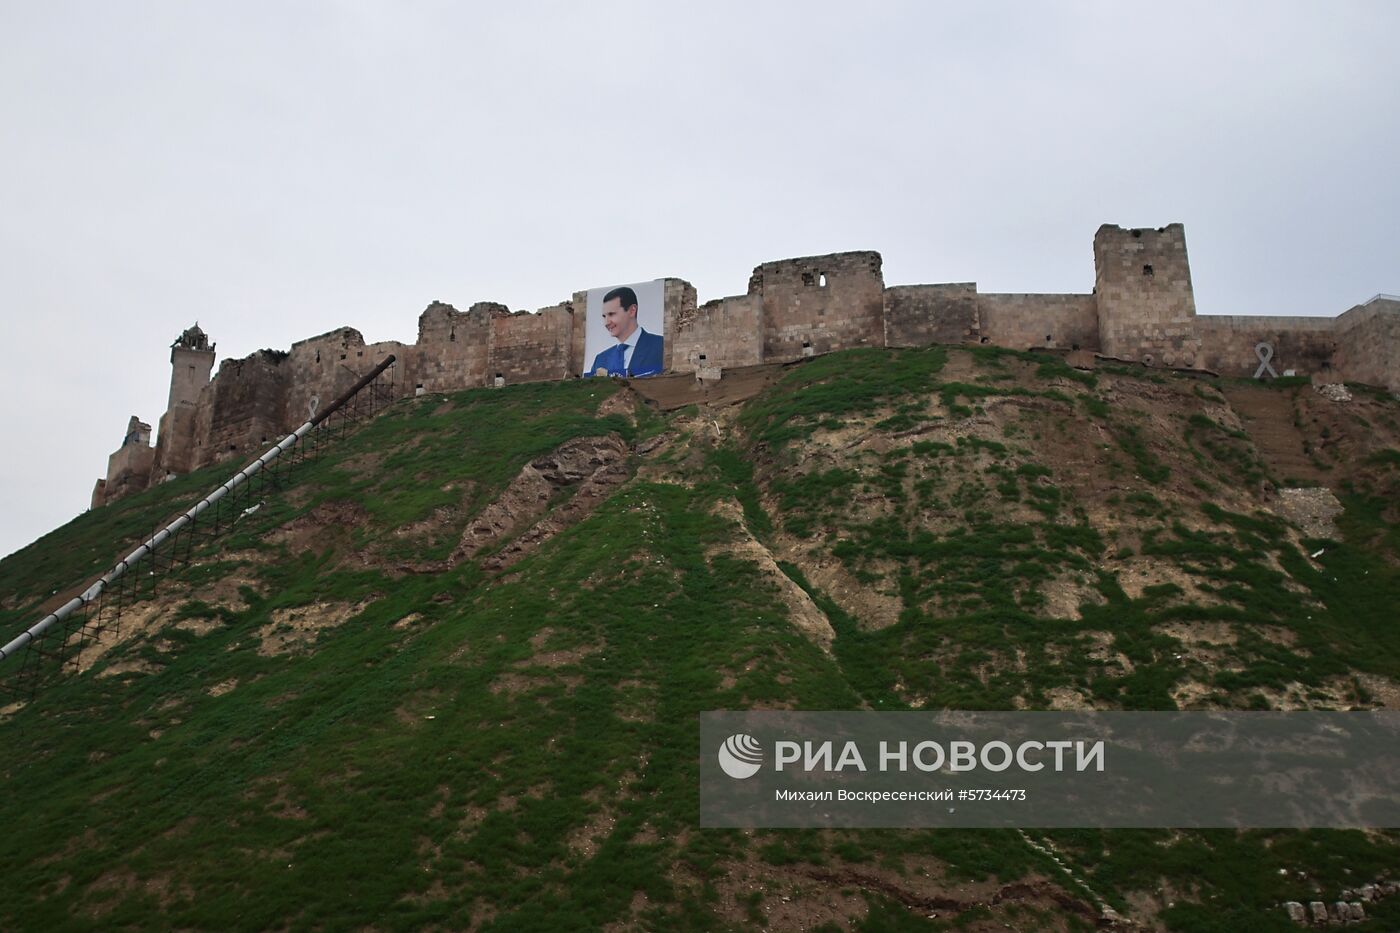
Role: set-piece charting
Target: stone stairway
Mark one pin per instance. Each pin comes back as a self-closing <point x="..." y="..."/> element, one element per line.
<point x="1267" y="415"/>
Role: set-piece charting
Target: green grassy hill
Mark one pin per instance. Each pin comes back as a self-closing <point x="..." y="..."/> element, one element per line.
<point x="450" y="677"/>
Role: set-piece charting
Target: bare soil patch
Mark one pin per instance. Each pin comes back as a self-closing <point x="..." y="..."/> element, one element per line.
<point x="803" y="613"/>
<point x="871" y="608"/>
<point x="328" y="524"/>
<point x="586" y="839"/>
<point x="300" y="626"/>
<point x="585" y="470"/>
<point x="622" y="402"/>
<point x="806" y="896"/>
<point x="1313" y="509"/>
<point x="138" y="621"/>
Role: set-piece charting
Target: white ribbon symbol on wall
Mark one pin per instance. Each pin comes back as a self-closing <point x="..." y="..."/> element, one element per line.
<point x="1265" y="353"/>
<point x="311" y="407"/>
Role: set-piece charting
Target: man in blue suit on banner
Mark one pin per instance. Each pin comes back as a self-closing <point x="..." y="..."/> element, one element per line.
<point x="637" y="353"/>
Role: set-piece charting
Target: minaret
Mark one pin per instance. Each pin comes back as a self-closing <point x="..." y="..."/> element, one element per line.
<point x="191" y="361"/>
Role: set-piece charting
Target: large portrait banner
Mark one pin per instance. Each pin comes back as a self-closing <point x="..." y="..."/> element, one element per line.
<point x="625" y="331"/>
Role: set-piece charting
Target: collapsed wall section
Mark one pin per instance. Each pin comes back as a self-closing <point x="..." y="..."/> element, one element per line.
<point x="319" y="369"/>
<point x="535" y="347"/>
<point x="919" y="315"/>
<point x="817" y="304"/>
<point x="725" y="333"/>
<point x="679" y="300"/>
<point x="245" y="407"/>
<point x="452" y="347"/>
<point x="130" y="467"/>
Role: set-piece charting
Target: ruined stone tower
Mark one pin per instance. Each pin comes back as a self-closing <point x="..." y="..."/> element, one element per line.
<point x="817" y="304"/>
<point x="1146" y="308"/>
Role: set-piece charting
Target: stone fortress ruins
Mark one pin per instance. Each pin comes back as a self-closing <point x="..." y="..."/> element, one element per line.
<point x="1141" y="309"/>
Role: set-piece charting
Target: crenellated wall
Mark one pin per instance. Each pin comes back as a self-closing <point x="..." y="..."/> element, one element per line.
<point x="1142" y="309"/>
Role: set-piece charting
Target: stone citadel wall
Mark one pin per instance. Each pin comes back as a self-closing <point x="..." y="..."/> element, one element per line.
<point x="1142" y="308"/>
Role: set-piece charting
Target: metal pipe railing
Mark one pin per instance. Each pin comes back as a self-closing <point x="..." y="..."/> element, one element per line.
<point x="287" y="443"/>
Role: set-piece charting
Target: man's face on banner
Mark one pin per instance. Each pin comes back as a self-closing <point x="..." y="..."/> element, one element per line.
<point x="619" y="321"/>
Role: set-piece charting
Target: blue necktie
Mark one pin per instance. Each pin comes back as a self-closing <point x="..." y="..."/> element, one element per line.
<point x="620" y="359"/>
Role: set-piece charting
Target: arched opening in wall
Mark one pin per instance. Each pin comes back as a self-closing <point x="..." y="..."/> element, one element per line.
<point x="1147" y="269"/>
<point x="986" y="339"/>
<point x="318" y="356"/>
<point x="821" y="280"/>
<point x="452" y="333"/>
<point x="1049" y="339"/>
<point x="342" y="356"/>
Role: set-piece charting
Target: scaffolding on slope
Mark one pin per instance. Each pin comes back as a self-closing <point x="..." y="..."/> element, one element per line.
<point x="56" y="643"/>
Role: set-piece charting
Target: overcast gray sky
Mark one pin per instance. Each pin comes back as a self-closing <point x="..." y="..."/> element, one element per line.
<point x="276" y="170"/>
